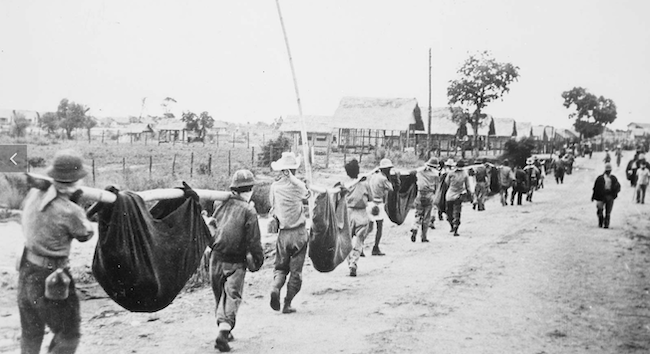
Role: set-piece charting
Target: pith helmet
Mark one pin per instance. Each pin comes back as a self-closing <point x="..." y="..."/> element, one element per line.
<point x="450" y="163"/>
<point x="67" y="167"/>
<point x="385" y="163"/>
<point x="288" y="161"/>
<point x="242" y="178"/>
<point x="433" y="162"/>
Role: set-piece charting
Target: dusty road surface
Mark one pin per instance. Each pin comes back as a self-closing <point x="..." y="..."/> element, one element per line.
<point x="537" y="278"/>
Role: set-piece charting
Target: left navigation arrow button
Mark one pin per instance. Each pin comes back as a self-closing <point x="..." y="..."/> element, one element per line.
<point x="12" y="158"/>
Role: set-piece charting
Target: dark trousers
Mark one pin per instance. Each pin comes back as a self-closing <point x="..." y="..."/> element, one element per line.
<point x="453" y="212"/>
<point x="606" y="205"/>
<point x="36" y="311"/>
<point x="290" y="251"/>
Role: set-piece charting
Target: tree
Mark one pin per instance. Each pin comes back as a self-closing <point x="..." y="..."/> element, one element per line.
<point x="166" y="104"/>
<point x="518" y="151"/>
<point x="50" y="122"/>
<point x="198" y="124"/>
<point x="89" y="123"/>
<point x="71" y="116"/>
<point x="482" y="80"/>
<point x="592" y="113"/>
<point x="20" y="124"/>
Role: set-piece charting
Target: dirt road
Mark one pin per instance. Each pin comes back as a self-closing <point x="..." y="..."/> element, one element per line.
<point x="537" y="278"/>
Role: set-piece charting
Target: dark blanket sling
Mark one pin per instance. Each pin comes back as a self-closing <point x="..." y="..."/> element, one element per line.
<point x="401" y="199"/>
<point x="144" y="257"/>
<point x="330" y="241"/>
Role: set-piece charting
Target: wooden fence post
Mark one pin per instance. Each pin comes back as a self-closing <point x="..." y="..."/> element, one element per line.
<point x="93" y="172"/>
<point x="229" y="166"/>
<point x="233" y="139"/>
<point x="150" y="163"/>
<point x="329" y="147"/>
<point x="174" y="165"/>
<point x="253" y="157"/>
<point x="191" y="163"/>
<point x="210" y="165"/>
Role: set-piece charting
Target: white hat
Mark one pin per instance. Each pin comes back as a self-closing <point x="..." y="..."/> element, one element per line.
<point x="529" y="161"/>
<point x="288" y="161"/>
<point x="385" y="163"/>
<point x="450" y="162"/>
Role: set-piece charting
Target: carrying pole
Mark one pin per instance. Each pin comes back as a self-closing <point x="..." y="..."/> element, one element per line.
<point x="303" y="131"/>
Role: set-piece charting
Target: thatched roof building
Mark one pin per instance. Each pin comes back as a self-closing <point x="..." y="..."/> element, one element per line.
<point x="400" y="114"/>
<point x="504" y="127"/>
<point x="313" y="124"/>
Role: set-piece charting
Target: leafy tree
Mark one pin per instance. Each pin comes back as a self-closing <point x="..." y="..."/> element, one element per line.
<point x="89" y="123"/>
<point x="167" y="104"/>
<point x="592" y="113"/>
<point x="518" y="151"/>
<point x="71" y="116"/>
<point x="460" y="117"/>
<point x="196" y="123"/>
<point x="20" y="125"/>
<point x="50" y="122"/>
<point x="481" y="80"/>
<point x="273" y="149"/>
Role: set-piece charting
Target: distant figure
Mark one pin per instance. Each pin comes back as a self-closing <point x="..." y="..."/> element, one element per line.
<point x="606" y="188"/>
<point x="607" y="158"/>
<point x="358" y="197"/>
<point x="588" y="149"/>
<point x="506" y="176"/>
<point x="428" y="180"/>
<point x="520" y="186"/>
<point x="458" y="182"/>
<point x="619" y="156"/>
<point x="643" y="178"/>
<point x="380" y="185"/>
<point x="482" y="185"/>
<point x="532" y="176"/>
<point x="558" y="170"/>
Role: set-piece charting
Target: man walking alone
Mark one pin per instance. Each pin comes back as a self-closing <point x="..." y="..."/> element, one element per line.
<point x="605" y="190"/>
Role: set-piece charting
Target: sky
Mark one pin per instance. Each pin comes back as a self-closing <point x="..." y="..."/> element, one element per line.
<point x="229" y="57"/>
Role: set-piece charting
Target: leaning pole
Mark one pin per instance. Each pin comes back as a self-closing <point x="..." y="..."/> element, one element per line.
<point x="303" y="130"/>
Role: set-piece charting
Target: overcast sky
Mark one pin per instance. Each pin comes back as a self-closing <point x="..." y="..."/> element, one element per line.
<point x="229" y="57"/>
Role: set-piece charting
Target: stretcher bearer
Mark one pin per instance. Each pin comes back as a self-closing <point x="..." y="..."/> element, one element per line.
<point x="358" y="196"/>
<point x="380" y="186"/>
<point x="428" y="180"/>
<point x="286" y="197"/>
<point x="458" y="182"/>
<point x="51" y="220"/>
<point x="237" y="237"/>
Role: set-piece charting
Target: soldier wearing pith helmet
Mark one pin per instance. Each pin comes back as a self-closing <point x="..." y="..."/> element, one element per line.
<point x="236" y="247"/>
<point x="380" y="186"/>
<point x="428" y="182"/>
<point x="50" y="222"/>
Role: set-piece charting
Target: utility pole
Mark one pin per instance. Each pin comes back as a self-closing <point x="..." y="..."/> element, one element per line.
<point x="429" y="122"/>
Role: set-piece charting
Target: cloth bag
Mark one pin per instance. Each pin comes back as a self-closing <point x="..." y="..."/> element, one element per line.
<point x="330" y="242"/>
<point x="144" y="257"/>
<point x="401" y="199"/>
